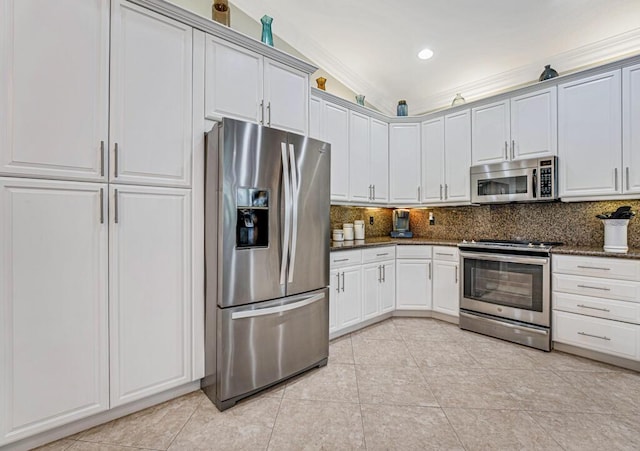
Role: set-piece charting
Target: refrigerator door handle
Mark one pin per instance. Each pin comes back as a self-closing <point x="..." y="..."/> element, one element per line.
<point x="294" y="208"/>
<point x="287" y="219"/>
<point x="278" y="309"/>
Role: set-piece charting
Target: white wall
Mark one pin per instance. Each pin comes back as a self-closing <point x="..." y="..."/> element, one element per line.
<point x="252" y="27"/>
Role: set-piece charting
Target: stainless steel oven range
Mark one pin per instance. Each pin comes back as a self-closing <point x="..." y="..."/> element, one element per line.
<point x="506" y="290"/>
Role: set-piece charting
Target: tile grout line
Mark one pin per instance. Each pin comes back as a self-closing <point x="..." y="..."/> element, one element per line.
<point x="545" y="430"/>
<point x="355" y="369"/>
<point x="185" y="423"/>
<point x="275" y="420"/>
<point x="111" y="444"/>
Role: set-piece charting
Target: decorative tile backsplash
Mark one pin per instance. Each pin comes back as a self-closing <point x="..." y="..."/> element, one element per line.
<point x="572" y="223"/>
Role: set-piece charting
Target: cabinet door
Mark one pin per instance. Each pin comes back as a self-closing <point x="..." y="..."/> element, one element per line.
<point x="589" y="136"/>
<point x="334" y="294"/>
<point x="457" y="145"/>
<point x="413" y="284"/>
<point x="315" y="118"/>
<point x="630" y="129"/>
<point x="433" y="161"/>
<point x="371" y="286"/>
<point x="336" y="132"/>
<point x="151" y="95"/>
<point x="360" y="189"/>
<point x="490" y="137"/>
<point x="379" y="160"/>
<point x="534" y="124"/>
<point x="233" y="82"/>
<point x="446" y="291"/>
<point x="54" y="87"/>
<point x="286" y="97"/>
<point x="388" y="287"/>
<point x="53" y="305"/>
<point x="350" y="299"/>
<point x="404" y="163"/>
<point x="150" y="290"/>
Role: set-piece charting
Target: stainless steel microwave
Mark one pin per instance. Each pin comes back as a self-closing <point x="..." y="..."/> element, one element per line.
<point x="532" y="180"/>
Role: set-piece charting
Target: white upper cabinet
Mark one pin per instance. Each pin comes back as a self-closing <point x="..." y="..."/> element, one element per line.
<point x="150" y="290"/>
<point x="522" y="127"/>
<point x="244" y="85"/>
<point x="491" y="133"/>
<point x="360" y="189"/>
<point x="286" y="94"/>
<point x="433" y="161"/>
<point x="315" y="117"/>
<point x="457" y="145"/>
<point x="589" y="136"/>
<point x="379" y="160"/>
<point x="336" y="133"/>
<point x="151" y="95"/>
<point x="404" y="163"/>
<point x="53" y="304"/>
<point x="233" y="86"/>
<point x="534" y="124"/>
<point x="631" y="129"/>
<point x="54" y="88"/>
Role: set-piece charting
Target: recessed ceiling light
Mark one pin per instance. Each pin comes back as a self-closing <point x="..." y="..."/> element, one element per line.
<point x="425" y="54"/>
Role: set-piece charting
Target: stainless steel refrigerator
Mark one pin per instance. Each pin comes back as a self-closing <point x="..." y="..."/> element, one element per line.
<point x="267" y="258"/>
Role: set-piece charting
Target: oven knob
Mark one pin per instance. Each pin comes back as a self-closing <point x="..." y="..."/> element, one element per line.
<point x="530" y="245"/>
<point x="464" y="241"/>
<point x="473" y="241"/>
<point x="541" y="244"/>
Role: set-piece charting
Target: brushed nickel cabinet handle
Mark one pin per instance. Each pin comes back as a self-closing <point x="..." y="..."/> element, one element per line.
<point x="594" y="267"/>
<point x="101" y="158"/>
<point x="628" y="181"/>
<point x="442" y="253"/>
<point x="115" y="206"/>
<point x="101" y="205"/>
<point x="379" y="274"/>
<point x="594" y="336"/>
<point x="418" y="193"/>
<point x="384" y="273"/>
<point x="615" y="173"/>
<point x="262" y="112"/>
<point x="382" y="255"/>
<point x="513" y="149"/>
<point x="338" y="280"/>
<point x="594" y="288"/>
<point x="446" y="191"/>
<point x="429" y="270"/>
<point x="594" y="308"/>
<point x="506" y="150"/>
<point x="343" y="281"/>
<point x="456" y="273"/>
<point x="269" y="114"/>
<point x="440" y="192"/>
<point x="115" y="160"/>
<point x="341" y="260"/>
<point x="374" y="192"/>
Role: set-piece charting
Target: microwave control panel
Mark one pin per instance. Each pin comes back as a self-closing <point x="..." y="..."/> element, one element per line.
<point x="546" y="178"/>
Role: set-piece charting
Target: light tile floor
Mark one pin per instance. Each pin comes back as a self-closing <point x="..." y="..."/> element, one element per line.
<point x="404" y="384"/>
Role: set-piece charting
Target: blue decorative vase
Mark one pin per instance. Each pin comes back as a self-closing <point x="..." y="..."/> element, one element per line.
<point x="267" y="36"/>
<point x="548" y="73"/>
<point x="403" y="109"/>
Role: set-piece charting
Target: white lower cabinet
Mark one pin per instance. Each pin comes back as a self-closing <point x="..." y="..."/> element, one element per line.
<point x="446" y="285"/>
<point x="347" y="296"/>
<point x="53" y="304"/>
<point x="596" y="304"/>
<point x="150" y="291"/>
<point x="414" y="276"/>
<point x="378" y="288"/>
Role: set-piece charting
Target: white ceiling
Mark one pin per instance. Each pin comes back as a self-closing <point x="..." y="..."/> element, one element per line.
<point x="480" y="47"/>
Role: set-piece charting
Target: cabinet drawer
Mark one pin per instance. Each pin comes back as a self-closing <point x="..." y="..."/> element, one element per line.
<point x="610" y="268"/>
<point x="340" y="259"/>
<point x="611" y="337"/>
<point x="378" y="254"/>
<point x="602" y="308"/>
<point x="448" y="253"/>
<point x="602" y="288"/>
<point x="413" y="251"/>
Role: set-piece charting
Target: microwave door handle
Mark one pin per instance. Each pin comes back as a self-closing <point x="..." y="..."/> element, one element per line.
<point x="534" y="183"/>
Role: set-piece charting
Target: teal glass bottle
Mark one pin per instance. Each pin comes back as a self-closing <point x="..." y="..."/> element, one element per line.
<point x="403" y="109"/>
<point x="267" y="36"/>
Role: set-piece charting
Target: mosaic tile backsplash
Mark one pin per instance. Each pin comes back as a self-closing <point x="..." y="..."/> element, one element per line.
<point x="574" y="224"/>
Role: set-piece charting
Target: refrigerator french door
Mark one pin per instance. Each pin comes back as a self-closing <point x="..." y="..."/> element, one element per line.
<point x="267" y="258"/>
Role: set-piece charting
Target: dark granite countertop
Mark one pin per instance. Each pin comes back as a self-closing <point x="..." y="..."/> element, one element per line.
<point x="633" y="253"/>
<point x="386" y="241"/>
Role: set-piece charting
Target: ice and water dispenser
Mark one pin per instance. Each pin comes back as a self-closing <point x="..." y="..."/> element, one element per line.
<point x="252" y="224"/>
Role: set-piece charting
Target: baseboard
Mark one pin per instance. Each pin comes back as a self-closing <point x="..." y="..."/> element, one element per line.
<point x="598" y="356"/>
<point x="98" y="419"/>
<point x="355" y="327"/>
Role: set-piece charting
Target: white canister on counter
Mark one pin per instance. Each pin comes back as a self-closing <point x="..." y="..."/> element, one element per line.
<point x="338" y="235"/>
<point x="615" y="235"/>
<point x="348" y="232"/>
<point x="358" y="229"/>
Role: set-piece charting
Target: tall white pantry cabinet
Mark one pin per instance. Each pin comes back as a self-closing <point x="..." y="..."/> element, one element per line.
<point x="97" y="241"/>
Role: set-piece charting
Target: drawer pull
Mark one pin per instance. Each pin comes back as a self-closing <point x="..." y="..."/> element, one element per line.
<point x="341" y="260"/>
<point x="440" y="253"/>
<point x="382" y="255"/>
<point x="594" y="267"/>
<point x="595" y="308"/>
<point x="594" y="288"/>
<point x="594" y="336"/>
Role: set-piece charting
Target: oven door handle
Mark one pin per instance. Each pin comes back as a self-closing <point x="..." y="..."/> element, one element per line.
<point x="541" y="261"/>
<point x="505" y="324"/>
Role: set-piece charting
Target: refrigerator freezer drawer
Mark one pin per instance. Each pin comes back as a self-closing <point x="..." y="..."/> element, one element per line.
<point x="263" y="343"/>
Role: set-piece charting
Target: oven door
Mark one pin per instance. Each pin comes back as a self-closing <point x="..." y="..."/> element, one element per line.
<point x="517" y="185"/>
<point x="508" y="286"/>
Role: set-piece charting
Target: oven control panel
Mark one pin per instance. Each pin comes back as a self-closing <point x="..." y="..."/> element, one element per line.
<point x="546" y="170"/>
